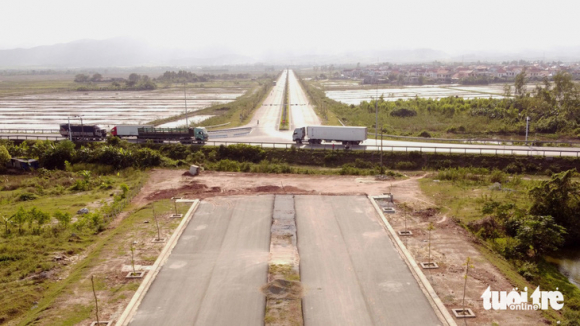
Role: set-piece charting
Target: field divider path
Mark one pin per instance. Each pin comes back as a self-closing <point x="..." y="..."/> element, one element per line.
<point x="131" y="309"/>
<point x="425" y="286"/>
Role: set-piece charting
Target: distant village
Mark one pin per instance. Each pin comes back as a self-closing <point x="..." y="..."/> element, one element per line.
<point x="439" y="73"/>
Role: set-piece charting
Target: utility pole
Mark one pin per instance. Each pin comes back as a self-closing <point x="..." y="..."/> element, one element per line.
<point x="527" y="128"/>
<point x="185" y="98"/>
<point x="69" y="131"/>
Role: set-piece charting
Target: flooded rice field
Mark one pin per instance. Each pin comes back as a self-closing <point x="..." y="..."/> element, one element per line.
<point x="356" y="96"/>
<point x="107" y="109"/>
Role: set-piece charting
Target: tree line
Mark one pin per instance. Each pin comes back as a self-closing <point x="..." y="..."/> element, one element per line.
<point x="186" y="76"/>
<point x="132" y="83"/>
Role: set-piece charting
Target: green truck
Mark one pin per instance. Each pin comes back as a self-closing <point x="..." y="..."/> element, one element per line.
<point x="183" y="135"/>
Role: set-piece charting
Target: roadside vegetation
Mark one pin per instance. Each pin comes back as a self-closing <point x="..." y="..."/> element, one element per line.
<point x="284" y="120"/>
<point x="517" y="221"/>
<point x="234" y="114"/>
<point x="42" y="226"/>
<point x="553" y="107"/>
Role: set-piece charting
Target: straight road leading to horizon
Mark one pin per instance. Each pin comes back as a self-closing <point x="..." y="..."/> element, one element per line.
<point x="351" y="272"/>
<point x="214" y="274"/>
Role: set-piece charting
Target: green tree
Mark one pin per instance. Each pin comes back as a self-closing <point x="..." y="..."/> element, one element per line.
<point x="62" y="218"/>
<point x="4" y="157"/>
<point x="97" y="77"/>
<point x="133" y="79"/>
<point x="520" y="83"/>
<point x="81" y="78"/>
<point x="541" y="235"/>
<point x="559" y="198"/>
<point x="507" y="90"/>
<point x="19" y="218"/>
<point x="39" y="217"/>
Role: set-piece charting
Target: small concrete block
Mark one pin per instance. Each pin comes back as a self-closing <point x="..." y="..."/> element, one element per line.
<point x="460" y="313"/>
<point x="429" y="265"/>
<point x="135" y="275"/>
<point x="176" y="215"/>
<point x="389" y="210"/>
<point x="155" y="240"/>
<point x="405" y="233"/>
<point x="102" y="323"/>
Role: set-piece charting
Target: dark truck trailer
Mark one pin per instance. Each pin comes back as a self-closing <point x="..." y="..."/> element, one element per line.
<point x="83" y="132"/>
<point x="183" y="135"/>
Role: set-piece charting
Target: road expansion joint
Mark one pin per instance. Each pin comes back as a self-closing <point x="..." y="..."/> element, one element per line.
<point x="283" y="290"/>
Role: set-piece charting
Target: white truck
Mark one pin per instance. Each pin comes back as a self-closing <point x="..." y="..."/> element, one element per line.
<point x="128" y="130"/>
<point x="316" y="134"/>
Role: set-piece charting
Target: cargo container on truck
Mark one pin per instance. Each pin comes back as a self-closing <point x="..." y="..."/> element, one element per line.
<point x="82" y="132"/>
<point x="317" y="134"/>
<point x="183" y="135"/>
<point x="128" y="130"/>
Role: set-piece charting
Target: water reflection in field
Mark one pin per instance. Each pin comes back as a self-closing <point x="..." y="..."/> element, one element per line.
<point x="47" y="111"/>
<point x="355" y="96"/>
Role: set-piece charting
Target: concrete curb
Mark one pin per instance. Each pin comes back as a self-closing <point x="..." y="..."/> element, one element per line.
<point x="430" y="293"/>
<point x="129" y="312"/>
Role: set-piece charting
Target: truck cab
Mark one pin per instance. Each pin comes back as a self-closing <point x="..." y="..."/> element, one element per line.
<point x="298" y="135"/>
<point x="200" y="134"/>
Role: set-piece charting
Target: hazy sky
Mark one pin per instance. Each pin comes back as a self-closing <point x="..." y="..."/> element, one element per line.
<point x="301" y="26"/>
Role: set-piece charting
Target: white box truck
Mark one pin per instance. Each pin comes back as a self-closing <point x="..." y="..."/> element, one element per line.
<point x="316" y="134"/>
<point x="128" y="130"/>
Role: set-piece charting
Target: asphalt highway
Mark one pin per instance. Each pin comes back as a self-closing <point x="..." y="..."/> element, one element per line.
<point x="214" y="274"/>
<point x="350" y="270"/>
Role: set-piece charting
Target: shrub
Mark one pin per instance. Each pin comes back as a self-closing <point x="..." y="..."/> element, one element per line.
<point x="241" y="153"/>
<point x="425" y="134"/>
<point x="146" y="157"/>
<point x="403" y="113"/>
<point x="404" y="165"/>
<point x="362" y="164"/>
<point x="528" y="270"/>
<point x="26" y="196"/>
<point x="497" y="176"/>
<point x="227" y="165"/>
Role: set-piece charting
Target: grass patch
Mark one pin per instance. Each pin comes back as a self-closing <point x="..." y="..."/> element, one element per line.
<point x="52" y="312"/>
<point x="463" y="194"/>
<point x="28" y="251"/>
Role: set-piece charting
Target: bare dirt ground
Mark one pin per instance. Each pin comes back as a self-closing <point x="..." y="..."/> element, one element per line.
<point x="450" y="244"/>
<point x="450" y="247"/>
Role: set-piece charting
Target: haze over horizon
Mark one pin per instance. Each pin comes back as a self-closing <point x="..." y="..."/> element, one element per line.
<point x="260" y="29"/>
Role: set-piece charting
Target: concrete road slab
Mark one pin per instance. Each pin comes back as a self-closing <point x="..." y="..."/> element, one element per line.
<point x="214" y="274"/>
<point x="350" y="269"/>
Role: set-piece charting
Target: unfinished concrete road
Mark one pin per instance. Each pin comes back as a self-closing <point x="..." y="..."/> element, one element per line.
<point x="214" y="274"/>
<point x="350" y="270"/>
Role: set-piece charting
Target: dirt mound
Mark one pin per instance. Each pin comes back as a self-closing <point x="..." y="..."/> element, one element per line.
<point x="190" y="189"/>
<point x="293" y="189"/>
<point x="283" y="289"/>
<point x="193" y="186"/>
<point x="426" y="213"/>
<point x="267" y="189"/>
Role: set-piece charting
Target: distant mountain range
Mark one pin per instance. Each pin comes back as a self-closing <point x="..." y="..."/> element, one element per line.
<point x="127" y="52"/>
<point x="116" y="52"/>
